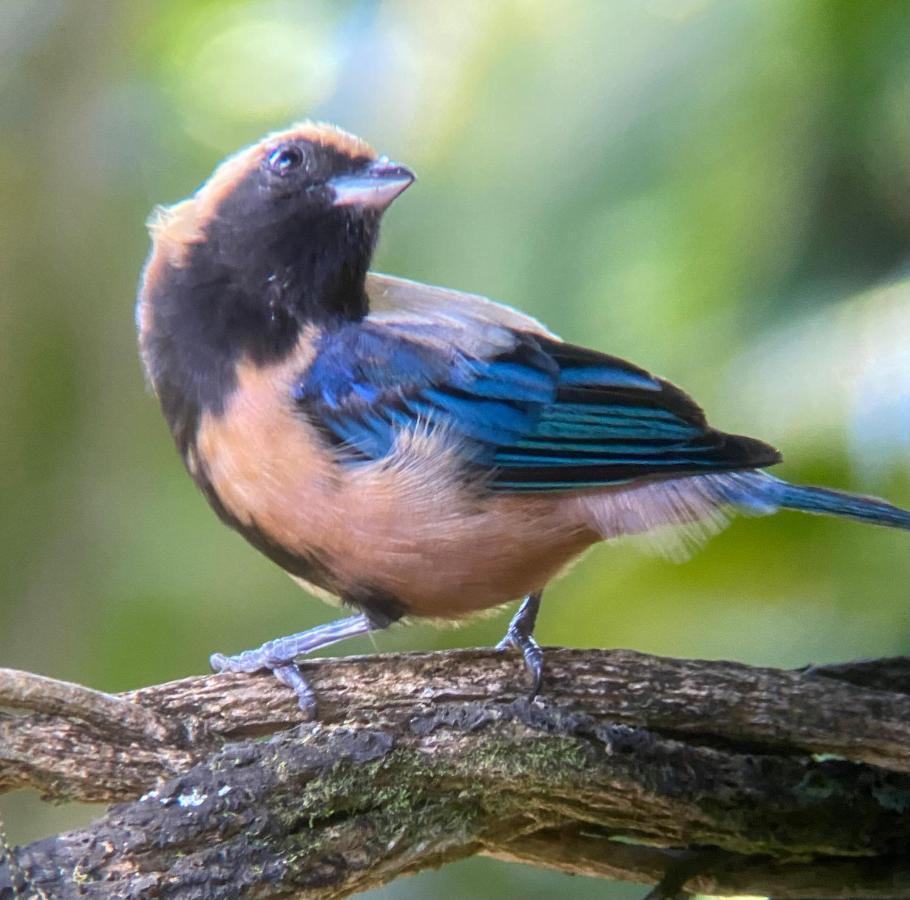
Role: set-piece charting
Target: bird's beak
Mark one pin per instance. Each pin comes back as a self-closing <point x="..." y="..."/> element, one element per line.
<point x="373" y="187"/>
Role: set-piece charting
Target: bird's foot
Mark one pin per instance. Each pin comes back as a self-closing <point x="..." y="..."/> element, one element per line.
<point x="532" y="654"/>
<point x="279" y="656"/>
<point x="286" y="672"/>
<point x="520" y="636"/>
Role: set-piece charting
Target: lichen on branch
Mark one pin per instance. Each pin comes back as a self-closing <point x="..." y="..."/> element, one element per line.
<point x="712" y="775"/>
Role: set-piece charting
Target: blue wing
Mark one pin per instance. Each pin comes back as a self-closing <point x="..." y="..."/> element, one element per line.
<point x="542" y="415"/>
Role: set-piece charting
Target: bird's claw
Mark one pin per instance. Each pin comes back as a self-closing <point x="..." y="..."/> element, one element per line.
<point x="242" y="662"/>
<point x="287" y="673"/>
<point x="521" y="636"/>
<point x="279" y="655"/>
<point x="532" y="653"/>
<point x="291" y="676"/>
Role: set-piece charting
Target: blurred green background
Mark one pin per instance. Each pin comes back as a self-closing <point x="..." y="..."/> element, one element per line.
<point x="717" y="190"/>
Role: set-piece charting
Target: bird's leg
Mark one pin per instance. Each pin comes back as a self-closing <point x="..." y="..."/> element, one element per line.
<point x="279" y="655"/>
<point x="521" y="636"/>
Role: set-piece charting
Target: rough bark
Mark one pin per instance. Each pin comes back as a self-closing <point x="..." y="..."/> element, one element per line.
<point x="708" y="776"/>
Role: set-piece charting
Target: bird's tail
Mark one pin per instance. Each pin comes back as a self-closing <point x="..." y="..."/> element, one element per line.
<point x="675" y="515"/>
<point x="838" y="503"/>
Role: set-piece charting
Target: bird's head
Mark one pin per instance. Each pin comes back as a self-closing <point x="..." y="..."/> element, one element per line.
<point x="311" y="173"/>
<point x="291" y="220"/>
<point x="278" y="239"/>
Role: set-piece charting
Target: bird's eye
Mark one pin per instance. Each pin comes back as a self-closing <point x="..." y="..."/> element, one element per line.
<point x="283" y="160"/>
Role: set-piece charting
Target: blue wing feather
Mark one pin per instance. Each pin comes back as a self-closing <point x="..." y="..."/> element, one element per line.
<point x="542" y="416"/>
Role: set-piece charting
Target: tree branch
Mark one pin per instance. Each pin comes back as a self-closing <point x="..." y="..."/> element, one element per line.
<point x="709" y="775"/>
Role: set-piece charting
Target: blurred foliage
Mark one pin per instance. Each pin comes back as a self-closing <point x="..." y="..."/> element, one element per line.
<point x="717" y="190"/>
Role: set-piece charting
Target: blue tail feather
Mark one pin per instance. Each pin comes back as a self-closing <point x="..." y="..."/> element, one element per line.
<point x="838" y="503"/>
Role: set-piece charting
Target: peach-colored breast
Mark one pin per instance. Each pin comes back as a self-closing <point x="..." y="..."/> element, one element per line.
<point x="406" y="525"/>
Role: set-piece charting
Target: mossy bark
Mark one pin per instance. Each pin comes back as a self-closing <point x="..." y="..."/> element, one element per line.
<point x="715" y="776"/>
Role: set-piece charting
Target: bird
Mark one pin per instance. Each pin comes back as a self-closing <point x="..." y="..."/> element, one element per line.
<point x="403" y="450"/>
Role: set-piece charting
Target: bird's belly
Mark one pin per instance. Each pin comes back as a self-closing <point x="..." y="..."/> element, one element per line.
<point x="408" y="527"/>
<point x="448" y="566"/>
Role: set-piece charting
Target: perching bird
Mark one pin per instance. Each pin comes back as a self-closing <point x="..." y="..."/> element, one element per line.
<point x="407" y="450"/>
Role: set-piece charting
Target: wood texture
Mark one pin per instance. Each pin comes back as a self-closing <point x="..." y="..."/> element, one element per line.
<point x="712" y="776"/>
